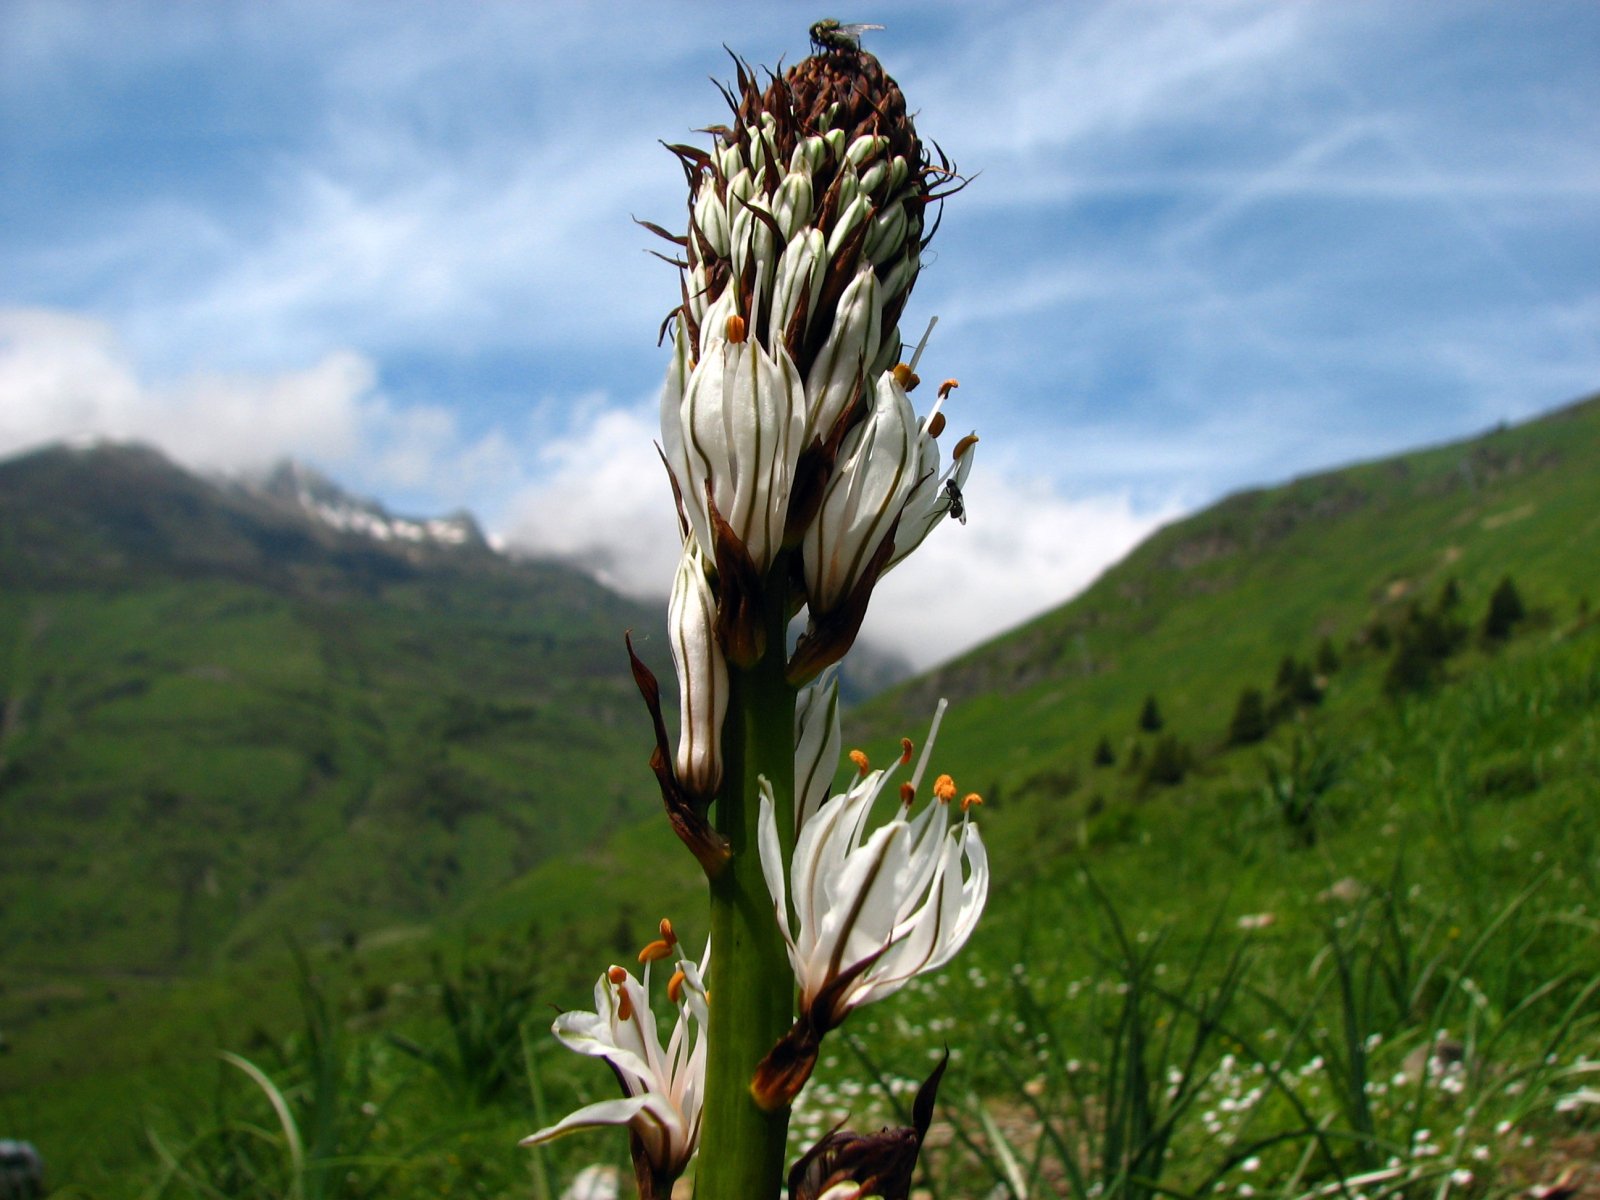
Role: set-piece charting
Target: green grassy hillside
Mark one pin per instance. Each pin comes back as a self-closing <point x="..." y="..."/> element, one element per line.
<point x="1211" y="604"/>
<point x="1220" y="956"/>
<point x="224" y="722"/>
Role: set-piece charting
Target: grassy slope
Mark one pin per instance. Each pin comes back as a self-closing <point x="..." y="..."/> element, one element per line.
<point x="1211" y="604"/>
<point x="1475" y="791"/>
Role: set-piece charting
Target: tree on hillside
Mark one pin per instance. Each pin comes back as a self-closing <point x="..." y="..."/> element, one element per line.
<point x="1169" y="762"/>
<point x="1295" y="687"/>
<point x="1150" y="716"/>
<point x="1424" y="640"/>
<point x="1249" y="724"/>
<point x="1327" y="657"/>
<point x="1505" y="610"/>
<point x="1104" y="755"/>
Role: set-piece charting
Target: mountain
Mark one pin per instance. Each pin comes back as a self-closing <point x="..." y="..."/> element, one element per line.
<point x="319" y="497"/>
<point x="1212" y="604"/>
<point x="231" y="711"/>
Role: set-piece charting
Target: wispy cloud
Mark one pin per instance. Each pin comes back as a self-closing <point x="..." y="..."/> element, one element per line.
<point x="1210" y="245"/>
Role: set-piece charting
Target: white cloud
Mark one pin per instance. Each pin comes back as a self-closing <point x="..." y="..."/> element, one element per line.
<point x="1024" y="550"/>
<point x="600" y="497"/>
<point x="63" y="376"/>
<point x="67" y="377"/>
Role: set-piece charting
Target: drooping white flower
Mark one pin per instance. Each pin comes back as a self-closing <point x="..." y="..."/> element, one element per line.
<point x="873" y="910"/>
<point x="663" y="1088"/>
<point x="875" y="474"/>
<point x="702" y="674"/>
<point x="937" y="493"/>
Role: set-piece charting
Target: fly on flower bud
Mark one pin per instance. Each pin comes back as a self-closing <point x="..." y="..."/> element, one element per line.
<point x="830" y="34"/>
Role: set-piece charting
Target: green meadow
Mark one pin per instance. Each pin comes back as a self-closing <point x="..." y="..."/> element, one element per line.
<point x="1294" y="817"/>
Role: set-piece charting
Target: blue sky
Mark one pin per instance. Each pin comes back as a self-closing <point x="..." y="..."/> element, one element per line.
<point x="1208" y="246"/>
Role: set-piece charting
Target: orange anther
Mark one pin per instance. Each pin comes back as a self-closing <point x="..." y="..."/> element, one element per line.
<point x="945" y="789"/>
<point x="656" y="951"/>
<point x="936" y="425"/>
<point x="907" y="794"/>
<point x="617" y="975"/>
<point x="736" y="329"/>
<point x="860" y="760"/>
<point x="906" y="377"/>
<point x="624" y="1005"/>
<point x="965" y="444"/>
<point x="971" y="799"/>
<point x="905" y="751"/>
<point x="675" y="987"/>
<point x="948" y="386"/>
<point x="666" y="931"/>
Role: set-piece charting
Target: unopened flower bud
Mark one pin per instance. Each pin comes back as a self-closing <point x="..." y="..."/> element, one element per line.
<point x="836" y="375"/>
<point x="702" y="675"/>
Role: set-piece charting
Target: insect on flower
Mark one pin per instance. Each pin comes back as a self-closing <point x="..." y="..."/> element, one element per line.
<point x="958" y="507"/>
<point x="829" y="34"/>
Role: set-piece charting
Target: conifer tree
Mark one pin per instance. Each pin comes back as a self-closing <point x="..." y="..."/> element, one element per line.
<point x="1249" y="724"/>
<point x="1169" y="761"/>
<point x="1505" y="610"/>
<point x="1150" y="716"/>
<point x="1327" y="657"/>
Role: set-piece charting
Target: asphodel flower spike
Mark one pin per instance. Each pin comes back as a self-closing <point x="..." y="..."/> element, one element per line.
<point x="871" y="911"/>
<point x="801" y="472"/>
<point x="807" y="223"/>
<point x="662" y="1088"/>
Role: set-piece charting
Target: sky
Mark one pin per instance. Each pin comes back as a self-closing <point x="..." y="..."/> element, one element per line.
<point x="1207" y="246"/>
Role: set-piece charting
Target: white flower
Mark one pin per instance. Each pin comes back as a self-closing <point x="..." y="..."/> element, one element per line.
<point x="732" y="423"/>
<point x="873" y="911"/>
<point x="664" y="1088"/>
<point x="702" y="674"/>
<point x="937" y="493"/>
<point x="874" y="476"/>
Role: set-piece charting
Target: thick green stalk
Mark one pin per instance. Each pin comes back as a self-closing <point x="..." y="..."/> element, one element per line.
<point x="752" y="986"/>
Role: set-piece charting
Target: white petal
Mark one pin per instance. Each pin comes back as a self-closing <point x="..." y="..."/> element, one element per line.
<point x="591" y="1116"/>
<point x="862" y="898"/>
<point x="771" y="852"/>
<point x="817" y="742"/>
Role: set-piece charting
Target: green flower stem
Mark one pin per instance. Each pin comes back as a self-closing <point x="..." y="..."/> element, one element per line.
<point x="752" y="986"/>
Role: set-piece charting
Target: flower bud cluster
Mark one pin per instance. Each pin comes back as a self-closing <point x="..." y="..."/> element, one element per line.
<point x="786" y="421"/>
